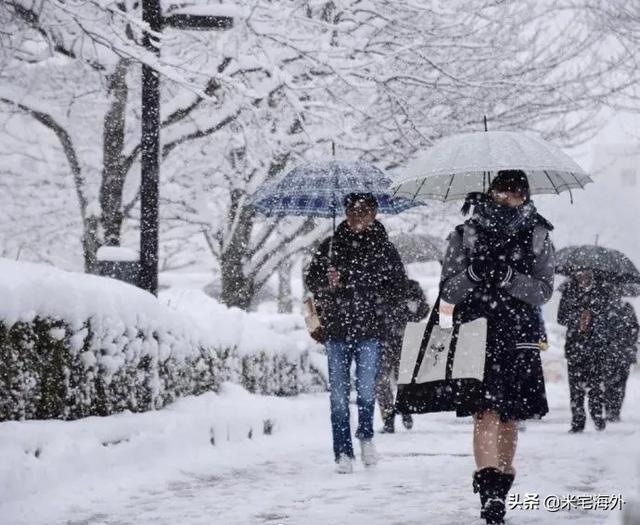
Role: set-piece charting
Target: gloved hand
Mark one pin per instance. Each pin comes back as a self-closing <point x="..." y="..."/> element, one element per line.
<point x="489" y="270"/>
<point x="480" y="268"/>
<point x="501" y="274"/>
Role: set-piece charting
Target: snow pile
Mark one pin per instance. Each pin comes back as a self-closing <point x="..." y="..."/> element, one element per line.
<point x="74" y="345"/>
<point x="246" y="331"/>
<point x="61" y="460"/>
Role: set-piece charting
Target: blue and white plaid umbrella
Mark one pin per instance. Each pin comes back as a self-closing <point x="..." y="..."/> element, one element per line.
<point x="317" y="189"/>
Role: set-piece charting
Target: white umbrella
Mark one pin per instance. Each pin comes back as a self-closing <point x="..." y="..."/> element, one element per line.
<point x="460" y="164"/>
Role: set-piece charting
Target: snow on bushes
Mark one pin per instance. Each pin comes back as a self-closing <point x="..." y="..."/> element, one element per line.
<point x="273" y="353"/>
<point x="74" y="345"/>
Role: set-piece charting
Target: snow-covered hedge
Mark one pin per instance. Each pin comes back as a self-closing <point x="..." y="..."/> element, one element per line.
<point x="270" y="353"/>
<point x="74" y="345"/>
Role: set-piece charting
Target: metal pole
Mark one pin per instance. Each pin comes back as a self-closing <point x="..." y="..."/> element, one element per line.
<point x="150" y="158"/>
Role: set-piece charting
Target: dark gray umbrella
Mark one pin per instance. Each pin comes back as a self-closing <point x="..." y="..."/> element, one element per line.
<point x="614" y="265"/>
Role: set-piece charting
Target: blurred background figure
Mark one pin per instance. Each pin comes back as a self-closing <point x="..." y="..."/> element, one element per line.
<point x="586" y="302"/>
<point x="621" y="353"/>
<point x="413" y="307"/>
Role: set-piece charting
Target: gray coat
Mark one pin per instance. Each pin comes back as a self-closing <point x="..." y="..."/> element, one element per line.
<point x="535" y="289"/>
<point x="513" y="383"/>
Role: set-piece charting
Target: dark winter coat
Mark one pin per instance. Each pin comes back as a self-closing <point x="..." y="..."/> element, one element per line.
<point x="412" y="307"/>
<point x="605" y="324"/>
<point x="624" y="329"/>
<point x="513" y="381"/>
<point x="372" y="283"/>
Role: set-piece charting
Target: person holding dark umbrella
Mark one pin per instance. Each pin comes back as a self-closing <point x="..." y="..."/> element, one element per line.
<point x="600" y="330"/>
<point x="356" y="277"/>
<point x="584" y="309"/>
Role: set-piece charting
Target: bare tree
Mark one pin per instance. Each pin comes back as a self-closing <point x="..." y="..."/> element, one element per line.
<point x="381" y="78"/>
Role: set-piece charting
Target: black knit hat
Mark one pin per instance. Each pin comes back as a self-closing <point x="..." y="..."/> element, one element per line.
<point x="511" y="180"/>
<point x="366" y="198"/>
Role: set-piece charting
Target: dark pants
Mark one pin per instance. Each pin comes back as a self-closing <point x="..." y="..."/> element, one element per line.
<point x="586" y="380"/>
<point x="615" y="385"/>
<point x="340" y="356"/>
<point x="387" y="378"/>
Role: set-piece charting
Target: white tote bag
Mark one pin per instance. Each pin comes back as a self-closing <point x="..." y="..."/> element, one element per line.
<point x="441" y="369"/>
<point x="468" y="355"/>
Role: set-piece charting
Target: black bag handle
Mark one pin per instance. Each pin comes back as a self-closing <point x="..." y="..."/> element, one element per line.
<point x="434" y="319"/>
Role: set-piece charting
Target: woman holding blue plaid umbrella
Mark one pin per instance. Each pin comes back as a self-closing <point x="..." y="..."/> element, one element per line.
<point x="357" y="277"/>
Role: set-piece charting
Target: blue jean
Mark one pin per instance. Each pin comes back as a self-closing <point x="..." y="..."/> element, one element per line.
<point x="340" y="355"/>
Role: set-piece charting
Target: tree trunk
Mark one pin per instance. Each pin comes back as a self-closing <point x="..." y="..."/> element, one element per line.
<point x="285" y="301"/>
<point x="113" y="173"/>
<point x="237" y="288"/>
<point x="90" y="244"/>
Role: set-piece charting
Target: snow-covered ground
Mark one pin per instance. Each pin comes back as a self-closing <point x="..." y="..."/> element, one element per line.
<point x="237" y="458"/>
<point x="194" y="463"/>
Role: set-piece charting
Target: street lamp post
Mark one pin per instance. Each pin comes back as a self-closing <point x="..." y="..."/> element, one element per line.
<point x="150" y="142"/>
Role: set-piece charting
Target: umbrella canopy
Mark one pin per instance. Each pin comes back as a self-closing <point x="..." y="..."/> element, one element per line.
<point x="317" y="189"/>
<point x="464" y="163"/>
<point x="612" y="263"/>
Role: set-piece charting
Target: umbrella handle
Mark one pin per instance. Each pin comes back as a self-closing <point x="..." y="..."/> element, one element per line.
<point x="333" y="233"/>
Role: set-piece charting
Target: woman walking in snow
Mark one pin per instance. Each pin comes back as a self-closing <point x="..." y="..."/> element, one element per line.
<point x="500" y="265"/>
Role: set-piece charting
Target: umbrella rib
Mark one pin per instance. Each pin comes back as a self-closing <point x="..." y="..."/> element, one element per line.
<point x="424" y="181"/>
<point x="551" y="181"/>
<point x="576" y="179"/>
<point x="449" y="188"/>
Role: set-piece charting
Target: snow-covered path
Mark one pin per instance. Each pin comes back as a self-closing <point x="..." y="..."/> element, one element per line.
<point x="424" y="477"/>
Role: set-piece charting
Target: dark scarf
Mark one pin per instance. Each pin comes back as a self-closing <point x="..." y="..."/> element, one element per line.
<point x="500" y="221"/>
<point x="348" y="243"/>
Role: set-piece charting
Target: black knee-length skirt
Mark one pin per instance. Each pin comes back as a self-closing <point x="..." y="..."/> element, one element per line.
<point x="513" y="383"/>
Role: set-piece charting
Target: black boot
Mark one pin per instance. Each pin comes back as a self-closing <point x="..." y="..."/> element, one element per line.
<point x="389" y="424"/>
<point x="493" y="486"/>
<point x="577" y="425"/>
<point x="407" y="421"/>
<point x="505" y="485"/>
<point x="476" y="490"/>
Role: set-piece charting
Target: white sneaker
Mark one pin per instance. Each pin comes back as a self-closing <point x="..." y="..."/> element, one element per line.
<point x="344" y="465"/>
<point x="368" y="452"/>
